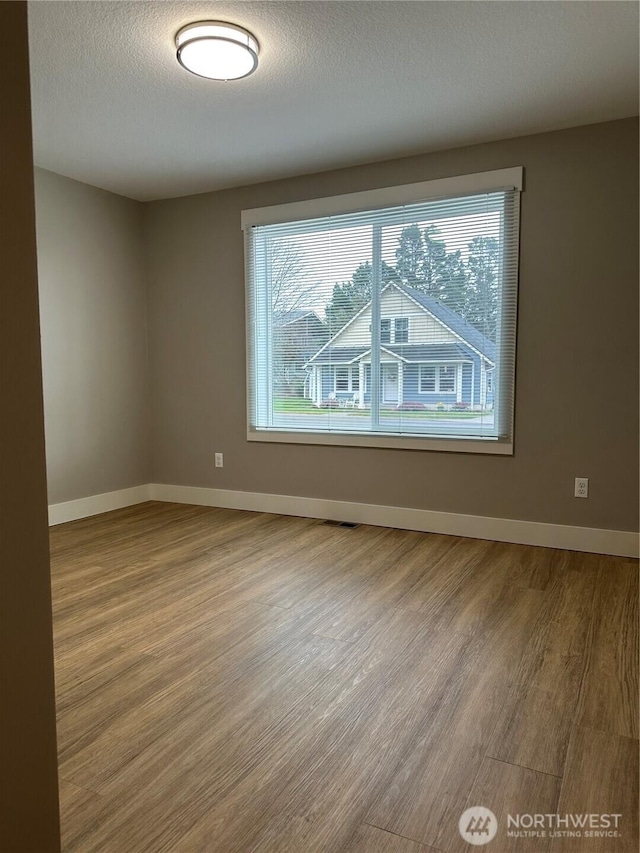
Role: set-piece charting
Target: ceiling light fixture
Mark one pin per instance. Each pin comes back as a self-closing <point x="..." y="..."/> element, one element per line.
<point x="217" y="50"/>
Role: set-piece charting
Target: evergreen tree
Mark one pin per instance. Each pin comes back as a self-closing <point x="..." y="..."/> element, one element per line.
<point x="422" y="261"/>
<point x="482" y="289"/>
<point x="410" y="256"/>
<point x="453" y="283"/>
<point x="350" y="296"/>
<point x="435" y="266"/>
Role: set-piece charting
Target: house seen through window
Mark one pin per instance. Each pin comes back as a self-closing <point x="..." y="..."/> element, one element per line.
<point x="390" y="325"/>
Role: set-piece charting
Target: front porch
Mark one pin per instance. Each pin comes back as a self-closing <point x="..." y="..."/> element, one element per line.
<point x="403" y="385"/>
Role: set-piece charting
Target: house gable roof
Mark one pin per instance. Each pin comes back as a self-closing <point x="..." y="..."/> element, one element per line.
<point x="407" y="353"/>
<point x="287" y="318"/>
<point x="454" y="322"/>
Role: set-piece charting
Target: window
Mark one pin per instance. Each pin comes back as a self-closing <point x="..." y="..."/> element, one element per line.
<point x="342" y="378"/>
<point x="427" y="379"/>
<point x="346" y="379"/>
<point x="401" y="333"/>
<point x="441" y="379"/>
<point x="443" y="253"/>
<point x="447" y="379"/>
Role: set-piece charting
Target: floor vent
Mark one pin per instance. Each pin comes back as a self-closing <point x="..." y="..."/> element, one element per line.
<point x="349" y="524"/>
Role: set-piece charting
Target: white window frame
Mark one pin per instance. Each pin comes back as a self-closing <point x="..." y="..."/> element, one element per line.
<point x="453" y="390"/>
<point x="437" y="368"/>
<point x="395" y="329"/>
<point x="493" y="181"/>
<point x="352" y="373"/>
<point x="339" y="368"/>
<point x="433" y="390"/>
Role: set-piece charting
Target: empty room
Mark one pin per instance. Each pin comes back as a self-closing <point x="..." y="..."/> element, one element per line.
<point x="320" y="426"/>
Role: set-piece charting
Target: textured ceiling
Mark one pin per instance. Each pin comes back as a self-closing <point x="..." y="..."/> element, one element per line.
<point x="339" y="83"/>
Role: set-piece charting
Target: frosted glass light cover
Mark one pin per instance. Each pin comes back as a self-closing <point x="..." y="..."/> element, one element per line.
<point x="217" y="51"/>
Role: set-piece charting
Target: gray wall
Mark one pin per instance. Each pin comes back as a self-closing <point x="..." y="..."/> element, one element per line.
<point x="577" y="360"/>
<point x="29" y="778"/>
<point x="94" y="338"/>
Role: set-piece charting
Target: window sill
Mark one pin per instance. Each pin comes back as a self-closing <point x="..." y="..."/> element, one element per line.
<point x="492" y="446"/>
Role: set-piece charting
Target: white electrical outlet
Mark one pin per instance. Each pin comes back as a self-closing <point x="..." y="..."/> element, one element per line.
<point x="219" y="460"/>
<point x="581" y="488"/>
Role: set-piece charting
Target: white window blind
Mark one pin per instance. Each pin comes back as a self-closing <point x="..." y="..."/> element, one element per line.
<point x="386" y="325"/>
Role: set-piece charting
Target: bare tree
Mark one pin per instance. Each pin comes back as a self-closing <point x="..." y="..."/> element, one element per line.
<point x="289" y="287"/>
<point x="297" y="330"/>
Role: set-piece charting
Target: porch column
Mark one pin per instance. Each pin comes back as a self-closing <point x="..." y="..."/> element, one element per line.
<point x="318" y="389"/>
<point x="473" y="384"/>
<point x="400" y="383"/>
<point x="459" y="384"/>
<point x="361" y="384"/>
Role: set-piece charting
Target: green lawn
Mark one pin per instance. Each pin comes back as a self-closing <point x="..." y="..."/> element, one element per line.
<point x="299" y="406"/>
<point x="295" y="404"/>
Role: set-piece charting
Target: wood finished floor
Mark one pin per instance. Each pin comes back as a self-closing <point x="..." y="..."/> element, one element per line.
<point x="234" y="682"/>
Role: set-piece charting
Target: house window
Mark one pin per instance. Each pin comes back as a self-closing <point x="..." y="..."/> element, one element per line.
<point x="427" y="379"/>
<point x="401" y="330"/>
<point x="447" y="379"/>
<point x="438" y="378"/>
<point x="346" y="378"/>
<point x="444" y="252"/>
<point x="342" y="379"/>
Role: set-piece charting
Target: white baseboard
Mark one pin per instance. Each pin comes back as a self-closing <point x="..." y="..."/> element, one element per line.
<point x="95" y="504"/>
<point x="616" y="542"/>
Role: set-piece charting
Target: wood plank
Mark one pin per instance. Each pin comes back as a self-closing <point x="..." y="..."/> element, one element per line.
<point x="77" y="807"/>
<point x="385" y="588"/>
<point x="210" y="749"/>
<point x="453" y="742"/>
<point x="601" y="777"/>
<point x="444" y="574"/>
<point x="169" y="707"/>
<point x="509" y="790"/>
<point x="305" y="835"/>
<point x="184" y="753"/>
<point x="370" y="839"/>
<point x="534" y="568"/>
<point x="345" y="572"/>
<point x="200" y="698"/>
<point x="535" y="724"/>
<point x="470" y="608"/>
<point x="609" y="695"/>
<point x="313" y="797"/>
